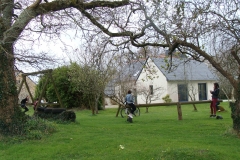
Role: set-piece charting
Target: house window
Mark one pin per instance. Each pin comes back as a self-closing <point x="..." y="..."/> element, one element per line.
<point x="202" y="91"/>
<point x="151" y="89"/>
<point x="182" y="92"/>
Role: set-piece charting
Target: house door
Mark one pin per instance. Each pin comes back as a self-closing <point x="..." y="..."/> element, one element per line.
<point x="202" y="91"/>
<point x="182" y="92"/>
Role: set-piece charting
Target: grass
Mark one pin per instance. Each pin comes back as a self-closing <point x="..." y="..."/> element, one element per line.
<point x="154" y="135"/>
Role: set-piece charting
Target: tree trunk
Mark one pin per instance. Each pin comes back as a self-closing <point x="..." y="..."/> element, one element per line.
<point x="232" y="96"/>
<point x="9" y="110"/>
<point x="93" y="110"/>
<point x="235" y="108"/>
<point x="195" y="108"/>
<point x="147" y="109"/>
<point x="96" y="104"/>
<point x="8" y="91"/>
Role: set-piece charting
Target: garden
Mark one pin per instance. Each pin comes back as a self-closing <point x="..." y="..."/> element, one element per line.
<point x="155" y="135"/>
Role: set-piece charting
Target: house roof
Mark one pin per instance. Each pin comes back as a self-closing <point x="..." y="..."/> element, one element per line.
<point x="184" y="69"/>
<point x="181" y="70"/>
<point x="131" y="72"/>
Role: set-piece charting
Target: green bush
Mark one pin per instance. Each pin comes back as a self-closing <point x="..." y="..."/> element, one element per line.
<point x="69" y="98"/>
<point x="37" y="127"/>
<point x="41" y="125"/>
<point x="65" y="116"/>
<point x="17" y="125"/>
<point x="77" y="86"/>
<point x="167" y="99"/>
<point x="28" y="128"/>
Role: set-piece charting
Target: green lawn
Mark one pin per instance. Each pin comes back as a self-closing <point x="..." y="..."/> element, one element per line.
<point x="154" y="135"/>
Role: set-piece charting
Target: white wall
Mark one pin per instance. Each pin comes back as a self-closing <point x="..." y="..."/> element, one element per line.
<point x="173" y="91"/>
<point x="209" y="88"/>
<point x="151" y="75"/>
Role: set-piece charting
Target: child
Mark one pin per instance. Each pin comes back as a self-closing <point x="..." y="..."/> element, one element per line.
<point x="23" y="104"/>
<point x="35" y="104"/>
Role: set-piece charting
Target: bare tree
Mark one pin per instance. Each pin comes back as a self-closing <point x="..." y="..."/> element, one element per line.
<point x="18" y="19"/>
<point x="198" y="29"/>
<point x="149" y="95"/>
<point x="201" y="30"/>
<point x="121" y="86"/>
<point x="192" y="91"/>
<point x="96" y="59"/>
<point x="228" y="63"/>
<point x="90" y="83"/>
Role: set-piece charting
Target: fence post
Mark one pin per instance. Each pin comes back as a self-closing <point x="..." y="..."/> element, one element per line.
<point x="179" y="111"/>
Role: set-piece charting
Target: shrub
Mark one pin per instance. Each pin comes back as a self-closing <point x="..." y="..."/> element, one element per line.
<point x="38" y="127"/>
<point x="167" y="99"/>
<point x="68" y="96"/>
<point x="29" y="128"/>
<point x="56" y="114"/>
<point x="67" y="116"/>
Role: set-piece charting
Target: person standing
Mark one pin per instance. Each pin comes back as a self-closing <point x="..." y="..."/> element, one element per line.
<point x="213" y="104"/>
<point x="23" y="104"/>
<point x="35" y="104"/>
<point x="129" y="99"/>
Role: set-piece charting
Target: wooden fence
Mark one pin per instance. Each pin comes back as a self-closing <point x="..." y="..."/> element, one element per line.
<point x="179" y="110"/>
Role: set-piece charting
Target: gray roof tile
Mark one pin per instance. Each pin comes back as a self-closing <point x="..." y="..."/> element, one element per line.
<point x="184" y="70"/>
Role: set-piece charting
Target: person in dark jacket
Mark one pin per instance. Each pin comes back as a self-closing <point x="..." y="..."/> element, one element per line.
<point x="23" y="104"/>
<point x="213" y="104"/>
<point x="129" y="99"/>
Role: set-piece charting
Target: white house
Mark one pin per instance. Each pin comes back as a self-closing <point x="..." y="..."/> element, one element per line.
<point x="151" y="80"/>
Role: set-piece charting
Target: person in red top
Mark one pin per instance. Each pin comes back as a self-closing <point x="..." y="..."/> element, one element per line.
<point x="35" y="104"/>
<point x="213" y="104"/>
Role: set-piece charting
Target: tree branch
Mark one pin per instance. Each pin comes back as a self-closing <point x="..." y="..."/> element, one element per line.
<point x="35" y="4"/>
<point x="211" y="60"/>
<point x="38" y="8"/>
